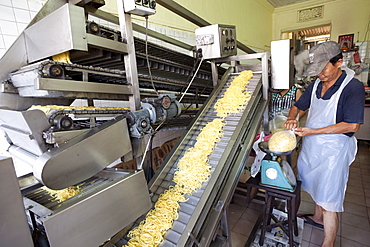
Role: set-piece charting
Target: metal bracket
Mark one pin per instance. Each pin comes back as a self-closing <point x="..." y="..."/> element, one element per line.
<point x="196" y="242"/>
<point x="8" y="88"/>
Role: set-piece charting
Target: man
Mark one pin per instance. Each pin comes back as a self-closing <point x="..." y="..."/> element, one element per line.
<point x="336" y="110"/>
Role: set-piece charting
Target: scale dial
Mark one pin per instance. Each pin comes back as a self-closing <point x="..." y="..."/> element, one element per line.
<point x="288" y="172"/>
<point x="271" y="173"/>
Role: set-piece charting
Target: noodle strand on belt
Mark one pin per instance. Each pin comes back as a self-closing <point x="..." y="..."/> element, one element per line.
<point x="62" y="195"/>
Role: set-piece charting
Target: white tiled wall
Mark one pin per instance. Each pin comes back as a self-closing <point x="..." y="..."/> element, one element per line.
<point x="16" y="14"/>
<point x="14" y="18"/>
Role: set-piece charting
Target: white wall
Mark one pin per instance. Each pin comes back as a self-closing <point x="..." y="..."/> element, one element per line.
<point x="252" y="18"/>
<point x="14" y="18"/>
<point x="16" y="14"/>
<point x="345" y="17"/>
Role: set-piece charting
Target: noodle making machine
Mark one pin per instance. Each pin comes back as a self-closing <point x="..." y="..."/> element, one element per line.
<point x="74" y="146"/>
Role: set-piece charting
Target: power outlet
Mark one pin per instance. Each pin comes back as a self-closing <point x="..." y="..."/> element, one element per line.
<point x="140" y="7"/>
<point x="205" y="39"/>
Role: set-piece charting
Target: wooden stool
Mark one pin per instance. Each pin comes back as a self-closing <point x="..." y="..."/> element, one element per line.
<point x="293" y="200"/>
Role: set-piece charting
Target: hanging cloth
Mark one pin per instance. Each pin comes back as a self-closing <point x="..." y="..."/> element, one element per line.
<point x="323" y="163"/>
<point x="279" y="103"/>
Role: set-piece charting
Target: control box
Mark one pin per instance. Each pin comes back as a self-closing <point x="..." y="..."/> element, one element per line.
<point x="216" y="40"/>
<point x="140" y="7"/>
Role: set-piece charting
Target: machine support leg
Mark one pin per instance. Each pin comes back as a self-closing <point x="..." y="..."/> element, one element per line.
<point x="225" y="228"/>
<point x="130" y="58"/>
<point x="214" y="73"/>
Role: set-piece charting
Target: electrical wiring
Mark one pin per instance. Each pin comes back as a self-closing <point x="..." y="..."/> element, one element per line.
<point x="191" y="81"/>
<point x="192" y="69"/>
<point x="147" y="56"/>
<point x="365" y="35"/>
<point x="196" y="97"/>
<point x="367" y="30"/>
<point x="195" y="74"/>
<point x="194" y="101"/>
<point x="148" y="144"/>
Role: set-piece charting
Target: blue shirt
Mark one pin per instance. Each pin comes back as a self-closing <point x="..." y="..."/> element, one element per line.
<point x="351" y="102"/>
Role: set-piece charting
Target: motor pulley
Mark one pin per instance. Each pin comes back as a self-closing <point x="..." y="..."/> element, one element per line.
<point x="153" y="111"/>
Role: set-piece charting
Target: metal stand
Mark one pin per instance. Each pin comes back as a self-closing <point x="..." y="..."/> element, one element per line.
<point x="130" y="58"/>
<point x="293" y="201"/>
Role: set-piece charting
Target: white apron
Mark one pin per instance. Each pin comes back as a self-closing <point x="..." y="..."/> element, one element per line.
<point x="323" y="163"/>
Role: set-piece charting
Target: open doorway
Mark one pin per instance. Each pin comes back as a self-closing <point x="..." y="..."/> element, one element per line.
<point x="308" y="37"/>
<point x="304" y="39"/>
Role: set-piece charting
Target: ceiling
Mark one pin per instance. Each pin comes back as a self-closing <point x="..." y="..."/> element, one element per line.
<point x="280" y="3"/>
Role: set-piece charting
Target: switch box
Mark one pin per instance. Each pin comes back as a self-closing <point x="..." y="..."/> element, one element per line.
<point x="140" y="7"/>
<point x="216" y="41"/>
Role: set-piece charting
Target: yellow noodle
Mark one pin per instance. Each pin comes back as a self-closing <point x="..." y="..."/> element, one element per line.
<point x="282" y="141"/>
<point x="62" y="195"/>
<point x="192" y="169"/>
<point x="62" y="57"/>
<point x="48" y="108"/>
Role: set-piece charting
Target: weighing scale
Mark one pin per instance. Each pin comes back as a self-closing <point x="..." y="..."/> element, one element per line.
<point x="275" y="171"/>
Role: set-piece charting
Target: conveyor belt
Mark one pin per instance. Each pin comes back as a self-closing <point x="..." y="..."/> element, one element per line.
<point x="39" y="195"/>
<point x="86" y="219"/>
<point x="190" y="210"/>
<point x="170" y="70"/>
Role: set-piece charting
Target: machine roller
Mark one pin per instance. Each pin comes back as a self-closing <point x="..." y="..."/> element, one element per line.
<point x="78" y="155"/>
<point x="63" y="152"/>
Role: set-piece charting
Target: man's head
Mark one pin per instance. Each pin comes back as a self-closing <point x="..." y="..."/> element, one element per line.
<point x="321" y="55"/>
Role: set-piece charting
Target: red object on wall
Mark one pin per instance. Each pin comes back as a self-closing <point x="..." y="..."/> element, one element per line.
<point x="356" y="57"/>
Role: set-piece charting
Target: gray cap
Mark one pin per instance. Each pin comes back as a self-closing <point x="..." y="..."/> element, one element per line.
<point x="320" y="55"/>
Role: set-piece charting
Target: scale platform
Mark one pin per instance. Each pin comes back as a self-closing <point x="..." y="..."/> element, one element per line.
<point x="275" y="171"/>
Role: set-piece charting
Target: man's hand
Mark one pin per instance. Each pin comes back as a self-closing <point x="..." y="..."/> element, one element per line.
<point x="291" y="124"/>
<point x="339" y="128"/>
<point x="303" y="131"/>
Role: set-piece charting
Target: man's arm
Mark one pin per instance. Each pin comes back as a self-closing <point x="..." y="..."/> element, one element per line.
<point x="292" y="121"/>
<point x="339" y="128"/>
